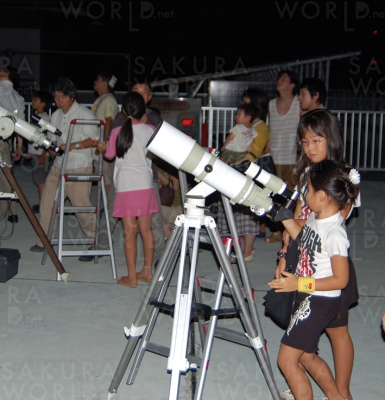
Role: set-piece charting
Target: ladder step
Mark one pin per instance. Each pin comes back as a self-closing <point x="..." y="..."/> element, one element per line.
<point x="205" y="283"/>
<point x="80" y="177"/>
<point x="87" y="253"/>
<point x="74" y="241"/>
<point x="88" y="209"/>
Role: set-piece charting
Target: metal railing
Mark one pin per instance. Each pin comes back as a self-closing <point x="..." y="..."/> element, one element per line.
<point x="363" y="133"/>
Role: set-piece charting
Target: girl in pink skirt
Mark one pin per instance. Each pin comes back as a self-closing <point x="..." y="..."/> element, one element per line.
<point x="135" y="199"/>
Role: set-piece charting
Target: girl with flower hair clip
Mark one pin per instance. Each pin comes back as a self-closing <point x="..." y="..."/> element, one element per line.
<point x="320" y="138"/>
<point x="322" y="271"/>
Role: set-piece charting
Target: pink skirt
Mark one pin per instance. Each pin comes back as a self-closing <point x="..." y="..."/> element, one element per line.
<point x="135" y="203"/>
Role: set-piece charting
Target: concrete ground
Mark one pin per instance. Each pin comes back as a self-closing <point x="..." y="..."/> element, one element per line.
<point x="63" y="341"/>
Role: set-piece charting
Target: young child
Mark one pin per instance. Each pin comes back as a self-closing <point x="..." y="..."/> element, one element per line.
<point x="41" y="103"/>
<point x="322" y="271"/>
<point x="320" y="138"/>
<point x="259" y="145"/>
<point x="135" y="196"/>
<point x="241" y="135"/>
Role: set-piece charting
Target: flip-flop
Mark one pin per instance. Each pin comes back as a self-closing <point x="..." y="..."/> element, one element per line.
<point x="250" y="258"/>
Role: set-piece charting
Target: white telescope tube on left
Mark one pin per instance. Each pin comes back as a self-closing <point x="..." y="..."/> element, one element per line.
<point x="24" y="129"/>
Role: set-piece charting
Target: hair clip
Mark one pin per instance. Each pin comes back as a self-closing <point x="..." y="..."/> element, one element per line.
<point x="354" y="176"/>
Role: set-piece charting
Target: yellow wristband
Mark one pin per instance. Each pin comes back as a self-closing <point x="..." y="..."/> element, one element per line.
<point x="306" y="285"/>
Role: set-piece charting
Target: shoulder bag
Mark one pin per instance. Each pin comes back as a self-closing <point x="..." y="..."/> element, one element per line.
<point x="279" y="306"/>
<point x="167" y="194"/>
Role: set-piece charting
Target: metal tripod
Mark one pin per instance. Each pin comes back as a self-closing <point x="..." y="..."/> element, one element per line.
<point x="187" y="226"/>
<point x="32" y="217"/>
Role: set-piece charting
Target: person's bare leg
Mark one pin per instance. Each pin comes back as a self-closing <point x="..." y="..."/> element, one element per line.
<point x="130" y="233"/>
<point x="288" y="362"/>
<point x="167" y="229"/>
<point x="322" y="374"/>
<point x="248" y="245"/>
<point x="343" y="352"/>
<point x="148" y="247"/>
<point x="40" y="189"/>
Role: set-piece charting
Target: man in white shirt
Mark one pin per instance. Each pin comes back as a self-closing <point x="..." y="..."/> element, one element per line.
<point x="80" y="159"/>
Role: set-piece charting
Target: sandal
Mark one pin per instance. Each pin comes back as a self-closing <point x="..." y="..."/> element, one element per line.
<point x="250" y="258"/>
<point x="274" y="238"/>
<point x="233" y="258"/>
<point x="125" y="282"/>
<point x="287" y="395"/>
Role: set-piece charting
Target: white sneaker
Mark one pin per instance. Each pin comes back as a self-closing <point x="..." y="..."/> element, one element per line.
<point x="287" y="395"/>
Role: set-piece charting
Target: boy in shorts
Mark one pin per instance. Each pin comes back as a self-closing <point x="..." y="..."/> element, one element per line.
<point x="41" y="162"/>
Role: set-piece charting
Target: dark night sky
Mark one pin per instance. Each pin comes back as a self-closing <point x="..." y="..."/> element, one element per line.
<point x="206" y="33"/>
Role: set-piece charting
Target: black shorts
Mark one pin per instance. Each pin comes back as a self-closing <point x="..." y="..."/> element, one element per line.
<point x="311" y="315"/>
<point x="349" y="296"/>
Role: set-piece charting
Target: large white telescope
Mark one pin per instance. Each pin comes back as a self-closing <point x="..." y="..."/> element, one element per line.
<point x="11" y="122"/>
<point x="184" y="153"/>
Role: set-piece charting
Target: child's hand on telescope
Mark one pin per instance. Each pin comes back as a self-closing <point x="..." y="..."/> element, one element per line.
<point x="288" y="282"/>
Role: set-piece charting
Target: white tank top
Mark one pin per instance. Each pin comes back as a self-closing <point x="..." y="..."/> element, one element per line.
<point x="283" y="133"/>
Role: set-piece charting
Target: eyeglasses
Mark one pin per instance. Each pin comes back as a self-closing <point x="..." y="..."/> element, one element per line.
<point x="312" y="143"/>
<point x="61" y="96"/>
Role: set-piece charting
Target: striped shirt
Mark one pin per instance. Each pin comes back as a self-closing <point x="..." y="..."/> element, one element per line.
<point x="283" y="132"/>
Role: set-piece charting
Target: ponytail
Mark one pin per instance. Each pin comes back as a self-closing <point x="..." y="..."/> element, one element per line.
<point x="133" y="106"/>
<point x="125" y="139"/>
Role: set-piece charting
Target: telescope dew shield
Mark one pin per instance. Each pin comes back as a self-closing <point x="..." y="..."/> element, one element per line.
<point x="268" y="180"/>
<point x="45" y="125"/>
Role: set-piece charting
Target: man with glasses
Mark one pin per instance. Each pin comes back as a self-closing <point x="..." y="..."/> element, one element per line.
<point x="80" y="159"/>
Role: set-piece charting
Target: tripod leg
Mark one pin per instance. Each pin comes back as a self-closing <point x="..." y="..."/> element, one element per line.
<point x="139" y="325"/>
<point x="53" y="217"/>
<point x="244" y="275"/>
<point x="168" y="268"/>
<point x="211" y="330"/>
<point x="177" y="361"/>
<point x="245" y="314"/>
<point x="35" y="223"/>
